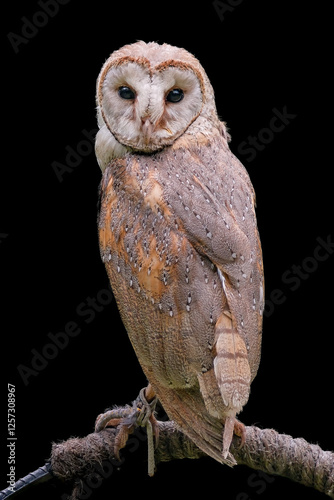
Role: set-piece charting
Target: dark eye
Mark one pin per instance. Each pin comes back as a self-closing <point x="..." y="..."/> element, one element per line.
<point x="175" y="95"/>
<point x="126" y="93"/>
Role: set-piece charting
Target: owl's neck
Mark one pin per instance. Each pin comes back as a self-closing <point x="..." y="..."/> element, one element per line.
<point x="199" y="133"/>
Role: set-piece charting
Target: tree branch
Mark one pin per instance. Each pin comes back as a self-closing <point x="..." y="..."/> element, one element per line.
<point x="265" y="449"/>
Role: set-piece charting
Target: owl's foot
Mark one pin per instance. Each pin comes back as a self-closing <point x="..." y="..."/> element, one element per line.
<point x="140" y="414"/>
<point x="232" y="426"/>
<point x="240" y="431"/>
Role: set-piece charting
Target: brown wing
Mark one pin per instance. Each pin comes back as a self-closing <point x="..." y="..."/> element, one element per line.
<point x="211" y="195"/>
<point x="178" y="256"/>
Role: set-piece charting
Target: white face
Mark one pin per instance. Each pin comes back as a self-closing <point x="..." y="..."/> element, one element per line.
<point x="147" y="109"/>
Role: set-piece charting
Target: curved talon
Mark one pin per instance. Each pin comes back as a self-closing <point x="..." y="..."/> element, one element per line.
<point x="112" y="418"/>
<point x="240" y="431"/>
<point x="121" y="439"/>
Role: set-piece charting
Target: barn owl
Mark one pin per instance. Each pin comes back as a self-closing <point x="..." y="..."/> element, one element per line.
<point x="179" y="240"/>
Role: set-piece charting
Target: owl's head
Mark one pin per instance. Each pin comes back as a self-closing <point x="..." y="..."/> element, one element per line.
<point x="149" y="94"/>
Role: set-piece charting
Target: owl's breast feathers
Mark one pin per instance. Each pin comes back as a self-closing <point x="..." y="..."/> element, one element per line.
<point x="179" y="239"/>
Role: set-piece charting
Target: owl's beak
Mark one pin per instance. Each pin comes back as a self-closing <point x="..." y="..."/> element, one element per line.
<point x="147" y="129"/>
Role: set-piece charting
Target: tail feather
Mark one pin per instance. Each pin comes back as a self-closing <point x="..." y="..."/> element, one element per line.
<point x="228" y="435"/>
<point x="206" y="412"/>
<point x="187" y="409"/>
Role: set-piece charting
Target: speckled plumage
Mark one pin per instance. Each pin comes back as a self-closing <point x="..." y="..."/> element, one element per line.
<point x="179" y="240"/>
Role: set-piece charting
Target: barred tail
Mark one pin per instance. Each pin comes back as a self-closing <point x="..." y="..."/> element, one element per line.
<point x="232" y="372"/>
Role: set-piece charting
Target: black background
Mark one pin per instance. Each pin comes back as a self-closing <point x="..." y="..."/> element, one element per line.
<point x="262" y="55"/>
